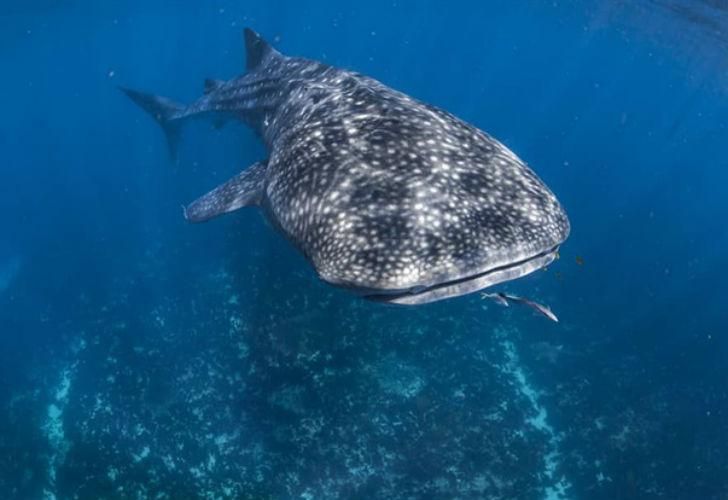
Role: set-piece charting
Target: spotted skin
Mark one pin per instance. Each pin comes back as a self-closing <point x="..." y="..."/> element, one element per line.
<point x="244" y="189"/>
<point x="385" y="195"/>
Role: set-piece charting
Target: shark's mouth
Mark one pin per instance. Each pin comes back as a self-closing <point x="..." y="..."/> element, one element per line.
<point x="468" y="284"/>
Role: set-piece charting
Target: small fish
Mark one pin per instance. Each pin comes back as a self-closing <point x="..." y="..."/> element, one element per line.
<point x="498" y="298"/>
<point x="579" y="260"/>
<point x="503" y="298"/>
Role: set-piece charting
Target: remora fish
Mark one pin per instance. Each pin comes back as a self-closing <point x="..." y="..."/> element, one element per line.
<point x="502" y="299"/>
<point x="392" y="198"/>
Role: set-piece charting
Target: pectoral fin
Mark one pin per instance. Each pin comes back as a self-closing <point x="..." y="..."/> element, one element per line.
<point x="244" y="189"/>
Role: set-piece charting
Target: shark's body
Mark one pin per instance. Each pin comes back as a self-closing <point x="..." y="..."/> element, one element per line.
<point x="387" y="196"/>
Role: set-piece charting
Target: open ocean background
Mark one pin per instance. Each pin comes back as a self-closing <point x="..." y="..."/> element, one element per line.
<point x="143" y="357"/>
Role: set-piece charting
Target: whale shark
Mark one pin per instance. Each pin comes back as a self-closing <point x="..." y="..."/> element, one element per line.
<point x="385" y="195"/>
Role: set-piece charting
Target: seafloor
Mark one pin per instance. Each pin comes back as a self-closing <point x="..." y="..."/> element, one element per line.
<point x="234" y="388"/>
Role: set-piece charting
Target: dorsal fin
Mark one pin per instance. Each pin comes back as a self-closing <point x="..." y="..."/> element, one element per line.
<point x="212" y="85"/>
<point x="257" y="50"/>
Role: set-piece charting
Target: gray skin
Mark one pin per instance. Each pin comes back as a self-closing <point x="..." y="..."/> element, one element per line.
<point x="387" y="196"/>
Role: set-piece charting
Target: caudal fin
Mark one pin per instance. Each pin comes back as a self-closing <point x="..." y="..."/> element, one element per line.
<point x="165" y="111"/>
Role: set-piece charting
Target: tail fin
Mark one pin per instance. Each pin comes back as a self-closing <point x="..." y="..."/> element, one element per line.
<point x="165" y="111"/>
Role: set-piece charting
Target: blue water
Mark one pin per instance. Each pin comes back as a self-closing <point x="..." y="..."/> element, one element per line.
<point x="143" y="357"/>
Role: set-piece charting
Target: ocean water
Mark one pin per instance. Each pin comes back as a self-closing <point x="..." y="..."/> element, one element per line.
<point x="145" y="357"/>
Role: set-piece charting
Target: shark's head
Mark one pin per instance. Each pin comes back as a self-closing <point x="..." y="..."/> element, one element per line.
<point x="446" y="213"/>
